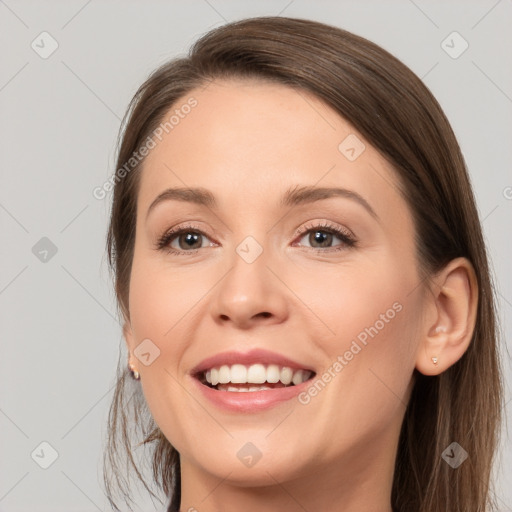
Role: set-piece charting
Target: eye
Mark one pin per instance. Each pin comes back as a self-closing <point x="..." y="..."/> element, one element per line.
<point x="322" y="236"/>
<point x="187" y="237"/>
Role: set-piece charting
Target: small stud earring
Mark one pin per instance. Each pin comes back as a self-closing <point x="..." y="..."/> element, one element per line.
<point x="434" y="360"/>
<point x="135" y="374"/>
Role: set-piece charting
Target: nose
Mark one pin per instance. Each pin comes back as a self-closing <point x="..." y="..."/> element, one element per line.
<point x="250" y="294"/>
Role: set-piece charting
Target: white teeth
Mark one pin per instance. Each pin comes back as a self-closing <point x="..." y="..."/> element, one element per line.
<point x="273" y="373"/>
<point x="286" y="375"/>
<point x="297" y="377"/>
<point x="255" y="374"/>
<point x="224" y="374"/>
<point x="233" y="388"/>
<point x="238" y="374"/>
<point x="227" y="387"/>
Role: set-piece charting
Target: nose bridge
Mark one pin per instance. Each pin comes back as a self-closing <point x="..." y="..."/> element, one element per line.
<point x="249" y="236"/>
<point x="250" y="249"/>
<point x="249" y="288"/>
<point x="248" y="275"/>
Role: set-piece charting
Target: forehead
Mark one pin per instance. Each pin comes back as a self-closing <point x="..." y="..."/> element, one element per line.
<point x="253" y="140"/>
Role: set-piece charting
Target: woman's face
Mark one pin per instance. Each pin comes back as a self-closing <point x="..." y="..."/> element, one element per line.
<point x="256" y="272"/>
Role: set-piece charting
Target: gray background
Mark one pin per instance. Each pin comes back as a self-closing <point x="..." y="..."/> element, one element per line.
<point x="59" y="119"/>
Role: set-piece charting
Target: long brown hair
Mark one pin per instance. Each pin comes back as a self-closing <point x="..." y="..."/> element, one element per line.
<point x="390" y="106"/>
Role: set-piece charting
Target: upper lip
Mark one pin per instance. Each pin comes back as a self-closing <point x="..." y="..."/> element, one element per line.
<point x="254" y="356"/>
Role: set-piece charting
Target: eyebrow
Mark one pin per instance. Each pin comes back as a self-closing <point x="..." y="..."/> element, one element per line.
<point x="294" y="196"/>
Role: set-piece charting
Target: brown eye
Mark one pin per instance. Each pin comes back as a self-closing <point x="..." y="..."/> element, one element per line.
<point x="189" y="240"/>
<point x="322" y="237"/>
<point x="182" y="240"/>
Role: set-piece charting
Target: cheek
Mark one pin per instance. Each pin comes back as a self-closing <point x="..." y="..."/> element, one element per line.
<point x="163" y="300"/>
<point x="370" y="360"/>
<point x="161" y="309"/>
<point x="368" y="317"/>
<point x="350" y="297"/>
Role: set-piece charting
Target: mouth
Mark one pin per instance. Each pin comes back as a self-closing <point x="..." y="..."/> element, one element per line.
<point x="252" y="378"/>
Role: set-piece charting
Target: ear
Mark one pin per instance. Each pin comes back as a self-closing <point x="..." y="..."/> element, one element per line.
<point x="448" y="328"/>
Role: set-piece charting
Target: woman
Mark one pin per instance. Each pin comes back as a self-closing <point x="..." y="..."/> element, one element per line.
<point x="298" y="260"/>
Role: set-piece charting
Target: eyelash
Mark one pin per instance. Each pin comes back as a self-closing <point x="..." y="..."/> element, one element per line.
<point x="345" y="236"/>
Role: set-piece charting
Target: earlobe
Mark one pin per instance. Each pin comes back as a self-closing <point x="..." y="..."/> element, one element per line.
<point x="448" y="333"/>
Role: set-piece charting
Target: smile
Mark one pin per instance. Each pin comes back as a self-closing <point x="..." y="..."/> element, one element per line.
<point x="254" y="377"/>
<point x="248" y="382"/>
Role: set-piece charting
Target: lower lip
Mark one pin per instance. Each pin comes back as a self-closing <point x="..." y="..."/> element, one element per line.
<point x="249" y="401"/>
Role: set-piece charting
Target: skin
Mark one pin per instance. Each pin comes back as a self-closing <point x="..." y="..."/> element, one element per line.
<point x="247" y="142"/>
